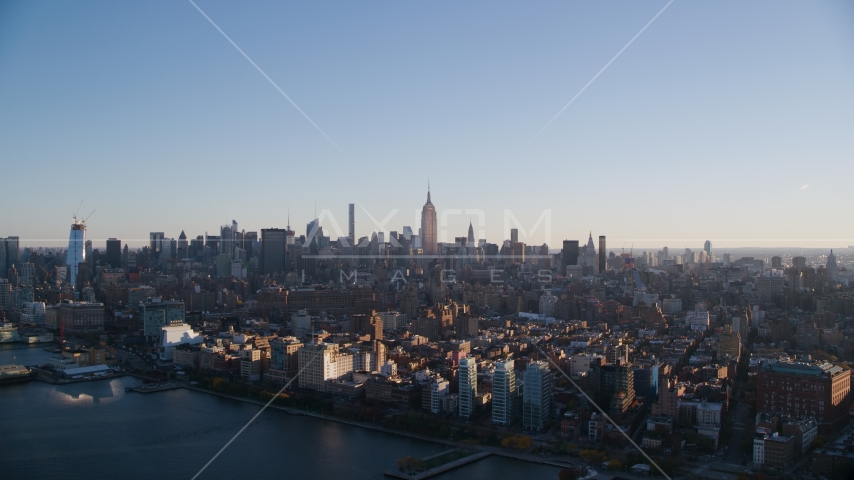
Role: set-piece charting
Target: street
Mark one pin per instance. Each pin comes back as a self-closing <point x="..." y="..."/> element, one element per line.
<point x="742" y="421"/>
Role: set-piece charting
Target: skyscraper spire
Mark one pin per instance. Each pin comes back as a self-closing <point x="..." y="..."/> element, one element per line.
<point x="429" y="227"/>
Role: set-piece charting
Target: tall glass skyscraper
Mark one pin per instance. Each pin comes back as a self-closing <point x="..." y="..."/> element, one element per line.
<point x="537" y="395"/>
<point x="76" y="248"/>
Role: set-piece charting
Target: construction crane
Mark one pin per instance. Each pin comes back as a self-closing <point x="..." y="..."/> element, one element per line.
<point x="47" y="274"/>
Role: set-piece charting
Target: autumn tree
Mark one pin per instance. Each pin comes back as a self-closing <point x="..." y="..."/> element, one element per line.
<point x="517" y="442"/>
<point x="593" y="457"/>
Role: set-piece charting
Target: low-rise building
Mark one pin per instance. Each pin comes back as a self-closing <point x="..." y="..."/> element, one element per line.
<point x="772" y="449"/>
<point x="836" y="459"/>
<point x="174" y="335"/>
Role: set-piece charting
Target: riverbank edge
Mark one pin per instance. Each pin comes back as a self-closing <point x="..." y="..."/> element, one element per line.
<point x="440" y="469"/>
<point x="450" y="443"/>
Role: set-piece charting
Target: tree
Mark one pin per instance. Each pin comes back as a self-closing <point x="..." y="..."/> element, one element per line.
<point x="593" y="457"/>
<point x="615" y="464"/>
<point x="517" y="442"/>
<point x="218" y="383"/>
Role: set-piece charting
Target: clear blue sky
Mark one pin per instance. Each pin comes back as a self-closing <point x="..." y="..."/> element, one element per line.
<point x="732" y="121"/>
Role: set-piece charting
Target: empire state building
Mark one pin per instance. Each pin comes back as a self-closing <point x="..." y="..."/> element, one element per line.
<point x="429" y="227"/>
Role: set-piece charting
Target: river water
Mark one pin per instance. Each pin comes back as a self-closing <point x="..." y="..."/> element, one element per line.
<point x="96" y="430"/>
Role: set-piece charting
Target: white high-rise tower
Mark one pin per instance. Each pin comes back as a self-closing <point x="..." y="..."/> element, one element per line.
<point x="468" y="386"/>
<point x="504" y="393"/>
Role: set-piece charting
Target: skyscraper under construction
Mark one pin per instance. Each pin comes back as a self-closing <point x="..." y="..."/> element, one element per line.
<point x="76" y="248"/>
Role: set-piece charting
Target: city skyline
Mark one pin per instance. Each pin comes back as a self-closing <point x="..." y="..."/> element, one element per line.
<point x="567" y="240"/>
<point x="683" y="125"/>
<point x="457" y="225"/>
<point x="539" y="232"/>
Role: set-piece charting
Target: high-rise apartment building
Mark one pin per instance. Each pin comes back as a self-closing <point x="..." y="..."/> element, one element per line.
<point x="537" y="395"/>
<point x="435" y="391"/>
<point x="616" y="386"/>
<point x="504" y="393"/>
<point x="429" y="228"/>
<point x="468" y="386"/>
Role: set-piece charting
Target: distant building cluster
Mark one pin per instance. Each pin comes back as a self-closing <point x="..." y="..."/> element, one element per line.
<point x="575" y="342"/>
